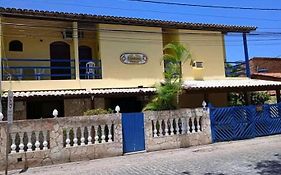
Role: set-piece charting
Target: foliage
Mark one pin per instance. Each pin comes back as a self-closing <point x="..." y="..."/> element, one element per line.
<point x="167" y="94"/>
<point x="98" y="111"/>
<point x="257" y="98"/>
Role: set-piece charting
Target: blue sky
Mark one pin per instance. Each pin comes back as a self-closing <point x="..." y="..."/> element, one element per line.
<point x="266" y="21"/>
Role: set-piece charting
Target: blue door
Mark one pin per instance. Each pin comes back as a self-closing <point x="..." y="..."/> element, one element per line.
<point x="133" y="132"/>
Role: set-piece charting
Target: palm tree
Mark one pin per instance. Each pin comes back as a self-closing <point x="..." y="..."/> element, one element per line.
<point x="176" y="55"/>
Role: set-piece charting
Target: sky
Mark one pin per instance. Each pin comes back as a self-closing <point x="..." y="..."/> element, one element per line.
<point x="264" y="44"/>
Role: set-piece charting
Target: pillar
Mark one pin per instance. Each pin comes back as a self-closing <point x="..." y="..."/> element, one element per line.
<point x="1" y="56"/>
<point x="278" y="95"/>
<point x="76" y="49"/>
<point x="248" y="73"/>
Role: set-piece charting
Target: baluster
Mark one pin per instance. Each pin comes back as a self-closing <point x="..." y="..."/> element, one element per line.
<point x="198" y="124"/>
<point x="155" y="129"/>
<point x="166" y="127"/>
<point x="183" y="125"/>
<point x="75" y="139"/>
<point x="177" y="121"/>
<point x="82" y="136"/>
<point x="161" y="128"/>
<point x="21" y="145"/>
<point x="172" y="126"/>
<point x="13" y="145"/>
<point x="67" y="140"/>
<point x="192" y="125"/>
<point x="103" y="133"/>
<point x="89" y="128"/>
<point x="187" y="125"/>
<point x="45" y="142"/>
<point x="109" y="134"/>
<point x="96" y="134"/>
<point x="37" y="142"/>
<point x="29" y="144"/>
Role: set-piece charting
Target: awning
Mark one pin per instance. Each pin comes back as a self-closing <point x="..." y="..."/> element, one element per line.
<point x="81" y="92"/>
<point x="231" y="85"/>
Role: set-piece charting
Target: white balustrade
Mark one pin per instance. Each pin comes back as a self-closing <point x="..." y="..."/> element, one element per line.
<point x="96" y="135"/>
<point x="188" y="123"/>
<point x="29" y="144"/>
<point x="67" y="141"/>
<point x="82" y="140"/>
<point x="28" y="141"/>
<point x="37" y="142"/>
<point x="84" y="135"/>
<point x="13" y="145"/>
<point x="109" y="134"/>
<point x="21" y="145"/>
<point x="75" y="140"/>
<point x="155" y="129"/>
<point x="45" y="142"/>
<point x="102" y="134"/>
<point x="89" y="128"/>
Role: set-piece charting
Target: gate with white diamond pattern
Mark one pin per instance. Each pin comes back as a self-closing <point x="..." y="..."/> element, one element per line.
<point x="242" y="122"/>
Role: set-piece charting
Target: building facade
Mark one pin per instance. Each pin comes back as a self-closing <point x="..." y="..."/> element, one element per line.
<point x="74" y="62"/>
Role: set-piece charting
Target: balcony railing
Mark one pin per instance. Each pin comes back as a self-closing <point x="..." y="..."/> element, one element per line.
<point x="235" y="69"/>
<point x="49" y="69"/>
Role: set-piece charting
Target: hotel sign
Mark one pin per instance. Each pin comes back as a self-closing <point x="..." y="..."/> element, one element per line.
<point x="133" y="58"/>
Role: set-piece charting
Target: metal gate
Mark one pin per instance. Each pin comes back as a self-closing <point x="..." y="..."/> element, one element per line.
<point x="133" y="132"/>
<point x="242" y="122"/>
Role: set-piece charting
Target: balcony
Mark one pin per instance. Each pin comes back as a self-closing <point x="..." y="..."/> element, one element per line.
<point x="49" y="69"/>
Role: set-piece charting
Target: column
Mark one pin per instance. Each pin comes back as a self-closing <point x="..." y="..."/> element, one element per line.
<point x="248" y="73"/>
<point x="278" y="95"/>
<point x="1" y="55"/>
<point x="76" y="49"/>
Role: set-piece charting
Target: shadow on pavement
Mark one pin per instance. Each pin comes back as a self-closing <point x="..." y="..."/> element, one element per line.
<point x="269" y="167"/>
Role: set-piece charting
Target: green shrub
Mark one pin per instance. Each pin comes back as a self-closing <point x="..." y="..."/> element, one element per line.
<point x="98" y="111"/>
<point x="257" y="98"/>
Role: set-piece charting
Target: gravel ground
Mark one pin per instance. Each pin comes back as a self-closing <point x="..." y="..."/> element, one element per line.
<point x="255" y="156"/>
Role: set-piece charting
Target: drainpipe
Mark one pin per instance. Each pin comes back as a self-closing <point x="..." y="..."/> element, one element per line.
<point x="76" y="49"/>
<point x="248" y="73"/>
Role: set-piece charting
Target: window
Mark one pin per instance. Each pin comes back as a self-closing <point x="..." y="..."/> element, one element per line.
<point x="15" y="45"/>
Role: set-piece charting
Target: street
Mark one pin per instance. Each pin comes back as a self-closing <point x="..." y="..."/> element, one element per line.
<point x="255" y="156"/>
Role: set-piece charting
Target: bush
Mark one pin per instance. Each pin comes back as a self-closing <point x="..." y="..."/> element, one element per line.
<point x="98" y="111"/>
<point x="257" y="98"/>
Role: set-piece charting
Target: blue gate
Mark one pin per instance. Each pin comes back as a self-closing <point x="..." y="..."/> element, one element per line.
<point x="133" y="132"/>
<point x="242" y="122"/>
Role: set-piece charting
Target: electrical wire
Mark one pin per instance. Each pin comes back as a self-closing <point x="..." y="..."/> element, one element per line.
<point x="207" y="6"/>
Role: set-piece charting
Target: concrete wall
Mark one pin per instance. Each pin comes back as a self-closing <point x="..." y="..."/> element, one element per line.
<point x="207" y="47"/>
<point x="53" y="140"/>
<point x="190" y="127"/>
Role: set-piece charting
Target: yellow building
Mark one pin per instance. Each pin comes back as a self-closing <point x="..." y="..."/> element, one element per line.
<point x="75" y="62"/>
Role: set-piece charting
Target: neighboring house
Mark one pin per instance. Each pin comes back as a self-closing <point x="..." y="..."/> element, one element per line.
<point x="74" y="62"/>
<point x="266" y="68"/>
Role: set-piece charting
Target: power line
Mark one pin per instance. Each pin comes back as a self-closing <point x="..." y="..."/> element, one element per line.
<point x="164" y="12"/>
<point x="207" y="6"/>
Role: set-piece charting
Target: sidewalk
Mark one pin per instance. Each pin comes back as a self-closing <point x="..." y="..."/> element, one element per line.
<point x="255" y="156"/>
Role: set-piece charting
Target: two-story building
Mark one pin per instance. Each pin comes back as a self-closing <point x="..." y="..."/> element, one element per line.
<point x="74" y="62"/>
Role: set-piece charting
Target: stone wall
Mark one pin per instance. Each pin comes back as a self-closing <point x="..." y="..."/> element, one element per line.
<point x="58" y="140"/>
<point x="176" y="129"/>
<point x="51" y="141"/>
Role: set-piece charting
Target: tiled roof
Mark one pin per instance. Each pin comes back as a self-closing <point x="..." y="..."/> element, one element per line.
<point x="274" y="75"/>
<point x="26" y="13"/>
<point x="81" y="92"/>
<point x="229" y="83"/>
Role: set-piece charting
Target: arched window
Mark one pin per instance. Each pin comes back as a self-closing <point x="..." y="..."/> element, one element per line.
<point x="15" y="45"/>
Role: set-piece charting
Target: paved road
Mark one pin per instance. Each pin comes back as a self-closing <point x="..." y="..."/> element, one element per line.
<point x="256" y="156"/>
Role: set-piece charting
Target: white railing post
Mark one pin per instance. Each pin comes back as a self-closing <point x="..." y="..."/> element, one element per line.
<point x="96" y="134"/>
<point x="37" y="142"/>
<point x="109" y="133"/>
<point x="13" y="145"/>
<point x="29" y="144"/>
<point x="82" y="139"/>
<point x="89" y="128"/>
<point x="75" y="140"/>
<point x="155" y="128"/>
<point x="67" y="140"/>
<point x="21" y="145"/>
